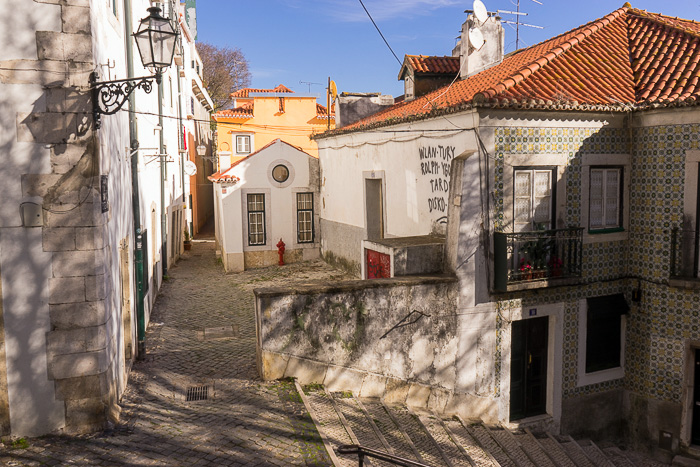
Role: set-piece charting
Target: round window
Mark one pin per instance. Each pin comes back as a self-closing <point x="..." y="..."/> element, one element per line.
<point x="280" y="173"/>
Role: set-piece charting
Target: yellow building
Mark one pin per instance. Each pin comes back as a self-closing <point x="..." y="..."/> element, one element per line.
<point x="259" y="116"/>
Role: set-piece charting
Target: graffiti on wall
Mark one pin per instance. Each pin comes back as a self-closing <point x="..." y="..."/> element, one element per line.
<point x="435" y="169"/>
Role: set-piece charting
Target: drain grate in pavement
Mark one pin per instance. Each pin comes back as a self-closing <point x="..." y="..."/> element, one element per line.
<point x="221" y="332"/>
<point x="197" y="393"/>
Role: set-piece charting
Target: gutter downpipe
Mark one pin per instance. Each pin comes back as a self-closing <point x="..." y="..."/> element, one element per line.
<point x="135" y="192"/>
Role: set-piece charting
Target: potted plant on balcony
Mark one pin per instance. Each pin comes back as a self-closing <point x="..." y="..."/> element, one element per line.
<point x="538" y="252"/>
<point x="187" y="243"/>
<point x="525" y="270"/>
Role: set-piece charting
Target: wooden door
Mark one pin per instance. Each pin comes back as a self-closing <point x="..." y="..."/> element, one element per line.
<point x="695" y="434"/>
<point x="528" y="377"/>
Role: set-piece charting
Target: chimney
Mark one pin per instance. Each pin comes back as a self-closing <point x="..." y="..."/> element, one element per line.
<point x="356" y="106"/>
<point x="473" y="60"/>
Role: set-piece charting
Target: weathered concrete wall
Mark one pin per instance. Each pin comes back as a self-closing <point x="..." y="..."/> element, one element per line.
<point x="597" y="416"/>
<point x="4" y="401"/>
<point x="353" y="107"/>
<point x="341" y="245"/>
<point x="646" y="418"/>
<point x="351" y="336"/>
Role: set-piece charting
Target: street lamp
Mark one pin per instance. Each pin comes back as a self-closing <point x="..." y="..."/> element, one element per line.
<point x="155" y="40"/>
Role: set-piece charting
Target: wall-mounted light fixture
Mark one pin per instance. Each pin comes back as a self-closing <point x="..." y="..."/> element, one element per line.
<point x="155" y="39"/>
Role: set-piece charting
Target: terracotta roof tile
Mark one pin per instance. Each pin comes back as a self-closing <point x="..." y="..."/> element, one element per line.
<point x="422" y="64"/>
<point x="242" y="111"/>
<point x="223" y="177"/>
<point x="245" y="92"/>
<point x="322" y="112"/>
<point x="628" y="58"/>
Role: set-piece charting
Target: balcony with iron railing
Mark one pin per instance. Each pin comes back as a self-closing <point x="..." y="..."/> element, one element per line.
<point x="684" y="258"/>
<point x="543" y="258"/>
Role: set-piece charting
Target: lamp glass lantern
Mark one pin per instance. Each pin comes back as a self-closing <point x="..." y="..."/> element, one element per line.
<point x="156" y="39"/>
<point x="201" y="150"/>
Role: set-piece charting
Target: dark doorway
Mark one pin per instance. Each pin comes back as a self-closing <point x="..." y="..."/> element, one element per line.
<point x="374" y="208"/>
<point x="695" y="434"/>
<point x="528" y="368"/>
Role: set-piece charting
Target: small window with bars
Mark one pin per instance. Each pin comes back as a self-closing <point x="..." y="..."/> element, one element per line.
<point x="605" y="202"/>
<point x="256" y="219"/>
<point x="305" y="217"/>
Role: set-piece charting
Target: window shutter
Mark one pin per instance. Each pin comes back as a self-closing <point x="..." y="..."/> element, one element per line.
<point x="523" y="200"/>
<point x="596" y="199"/>
<point x="543" y="197"/>
<point x="612" y="191"/>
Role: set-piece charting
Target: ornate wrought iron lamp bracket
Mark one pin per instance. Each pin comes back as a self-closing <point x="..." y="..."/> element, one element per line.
<point x="109" y="96"/>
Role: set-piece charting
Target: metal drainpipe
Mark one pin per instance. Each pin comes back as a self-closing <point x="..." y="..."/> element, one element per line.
<point x="135" y="199"/>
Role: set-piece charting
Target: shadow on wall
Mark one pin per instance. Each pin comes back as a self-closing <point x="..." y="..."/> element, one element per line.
<point x="52" y="161"/>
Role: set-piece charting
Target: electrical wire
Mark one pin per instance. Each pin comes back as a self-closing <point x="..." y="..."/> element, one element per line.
<point x="380" y="32"/>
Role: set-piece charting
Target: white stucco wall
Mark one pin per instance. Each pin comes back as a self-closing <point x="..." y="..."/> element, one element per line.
<point x="24" y="267"/>
<point x="280" y="198"/>
<point x="416" y="161"/>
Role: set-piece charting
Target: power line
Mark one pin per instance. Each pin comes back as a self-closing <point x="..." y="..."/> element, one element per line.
<point x="380" y="32"/>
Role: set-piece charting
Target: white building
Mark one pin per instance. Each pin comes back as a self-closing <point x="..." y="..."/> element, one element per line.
<point x="73" y="308"/>
<point x="268" y="196"/>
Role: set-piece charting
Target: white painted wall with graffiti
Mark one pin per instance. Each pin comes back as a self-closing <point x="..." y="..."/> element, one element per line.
<point x="413" y="162"/>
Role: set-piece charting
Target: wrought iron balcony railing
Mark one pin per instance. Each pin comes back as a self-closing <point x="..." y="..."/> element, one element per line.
<point x="536" y="257"/>
<point x="684" y="253"/>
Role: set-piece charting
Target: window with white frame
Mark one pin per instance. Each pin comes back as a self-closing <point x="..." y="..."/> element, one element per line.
<point x="601" y="338"/>
<point x="605" y="198"/>
<point x="256" y="219"/>
<point x="533" y="199"/>
<point x="242" y="144"/>
<point x="305" y="217"/>
<point x="604" y="332"/>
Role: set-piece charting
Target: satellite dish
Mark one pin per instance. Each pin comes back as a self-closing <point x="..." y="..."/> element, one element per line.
<point x="480" y="11"/>
<point x="333" y="90"/>
<point x="190" y="168"/>
<point x="476" y="38"/>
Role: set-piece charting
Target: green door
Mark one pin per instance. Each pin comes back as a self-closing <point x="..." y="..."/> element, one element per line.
<point x="528" y="368"/>
<point x="695" y="435"/>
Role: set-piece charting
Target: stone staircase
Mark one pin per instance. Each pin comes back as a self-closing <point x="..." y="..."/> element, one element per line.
<point x="448" y="441"/>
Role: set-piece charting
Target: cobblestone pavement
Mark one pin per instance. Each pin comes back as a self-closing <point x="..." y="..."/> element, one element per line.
<point x="244" y="421"/>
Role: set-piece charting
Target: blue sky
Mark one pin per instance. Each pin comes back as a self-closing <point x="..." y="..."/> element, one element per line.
<point x="288" y="41"/>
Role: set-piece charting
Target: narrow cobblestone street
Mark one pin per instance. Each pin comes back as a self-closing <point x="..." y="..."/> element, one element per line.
<point x="243" y="421"/>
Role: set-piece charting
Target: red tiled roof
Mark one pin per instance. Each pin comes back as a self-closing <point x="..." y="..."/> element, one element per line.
<point x="245" y="92"/>
<point x="627" y="59"/>
<point x="220" y="177"/>
<point x="242" y="111"/>
<point x="224" y="177"/>
<point x="322" y="112"/>
<point x="430" y="65"/>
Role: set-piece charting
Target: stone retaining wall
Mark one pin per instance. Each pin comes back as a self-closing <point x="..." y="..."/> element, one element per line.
<point x="361" y="336"/>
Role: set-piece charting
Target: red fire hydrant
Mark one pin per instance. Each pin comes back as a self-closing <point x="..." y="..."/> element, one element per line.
<point x="280" y="251"/>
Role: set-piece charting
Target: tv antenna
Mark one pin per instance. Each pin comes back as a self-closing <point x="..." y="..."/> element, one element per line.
<point x="517" y="13"/>
<point x="309" y="83"/>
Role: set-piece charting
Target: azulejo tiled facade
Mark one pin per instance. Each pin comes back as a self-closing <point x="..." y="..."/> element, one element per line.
<point x="661" y="324"/>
